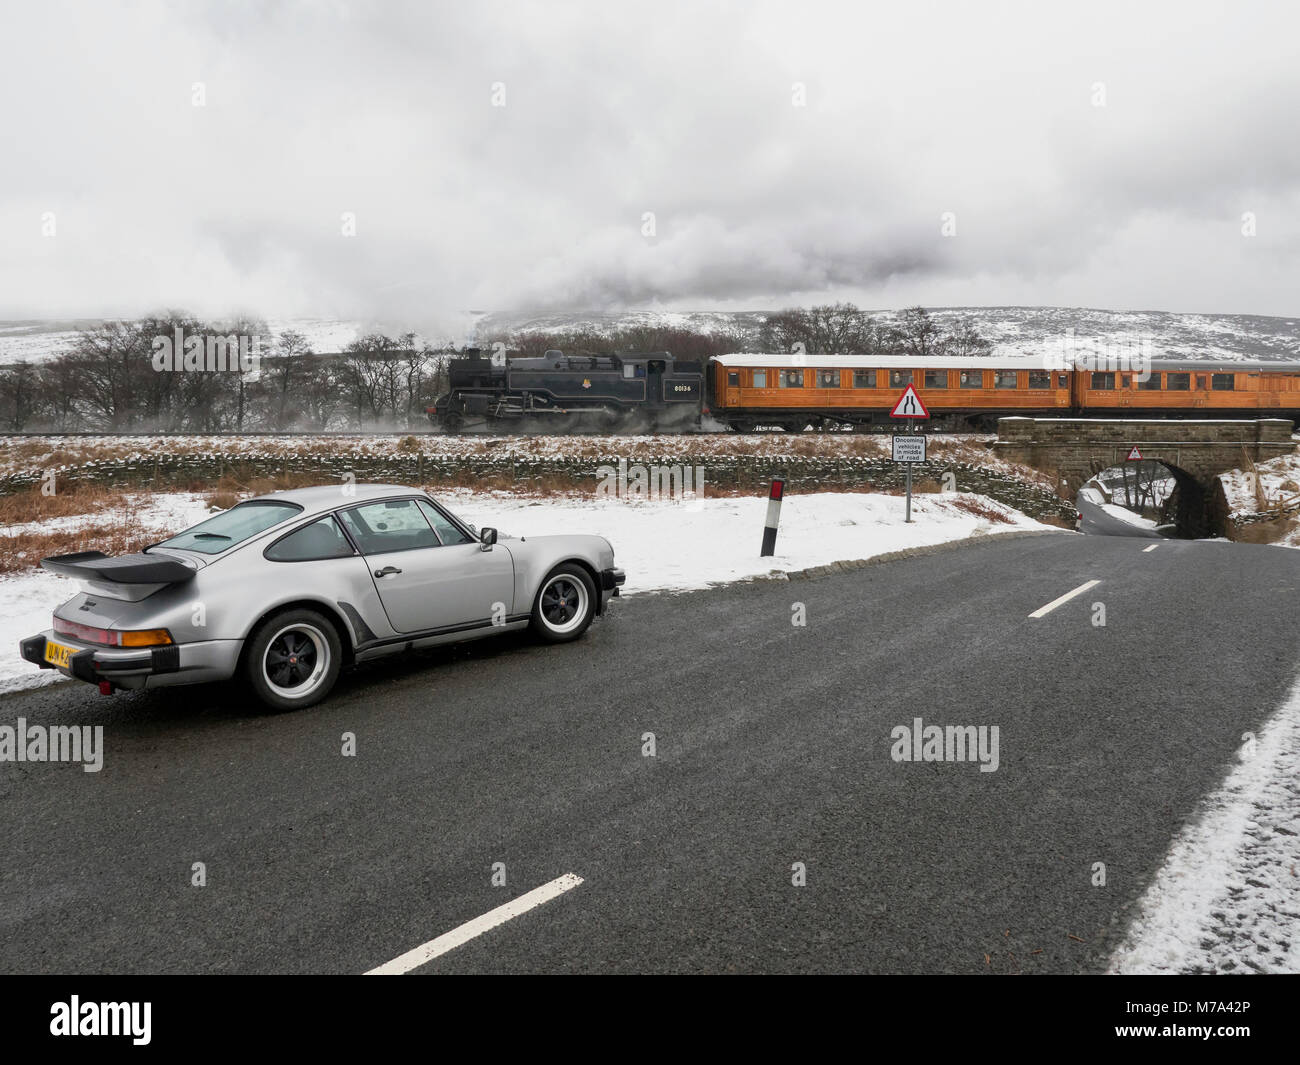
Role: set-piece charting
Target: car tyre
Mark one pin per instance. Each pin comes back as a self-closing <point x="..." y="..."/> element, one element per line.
<point x="293" y="659"/>
<point x="565" y="604"/>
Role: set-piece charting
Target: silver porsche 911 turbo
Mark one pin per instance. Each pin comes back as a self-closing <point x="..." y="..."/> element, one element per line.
<point x="287" y="589"/>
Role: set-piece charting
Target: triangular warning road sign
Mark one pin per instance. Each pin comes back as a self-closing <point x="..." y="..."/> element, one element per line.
<point x="909" y="405"/>
<point x="1134" y="455"/>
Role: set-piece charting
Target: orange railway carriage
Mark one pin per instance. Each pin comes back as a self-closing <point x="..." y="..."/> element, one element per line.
<point x="746" y="391"/>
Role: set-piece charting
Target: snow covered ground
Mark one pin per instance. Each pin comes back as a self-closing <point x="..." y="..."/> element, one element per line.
<point x="663" y="546"/>
<point x="25" y="605"/>
<point x="1227" y="899"/>
<point x="1279" y="478"/>
<point x="1127" y="516"/>
<point x="162" y="512"/>
<point x="667" y="546"/>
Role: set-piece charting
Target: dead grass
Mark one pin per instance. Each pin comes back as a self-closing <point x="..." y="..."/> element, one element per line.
<point x="69" y="500"/>
<point x="1266" y="532"/>
<point x="23" y="553"/>
<point x="981" y="509"/>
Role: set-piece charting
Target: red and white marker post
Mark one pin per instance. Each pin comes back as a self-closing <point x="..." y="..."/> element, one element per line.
<point x="774" y="497"/>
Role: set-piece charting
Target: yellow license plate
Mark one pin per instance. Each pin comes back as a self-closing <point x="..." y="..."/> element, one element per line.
<point x="56" y="654"/>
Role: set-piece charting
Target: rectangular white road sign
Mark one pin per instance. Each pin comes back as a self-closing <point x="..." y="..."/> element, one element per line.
<point x="909" y="447"/>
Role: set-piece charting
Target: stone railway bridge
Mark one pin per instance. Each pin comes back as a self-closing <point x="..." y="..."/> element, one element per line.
<point x="1194" y="451"/>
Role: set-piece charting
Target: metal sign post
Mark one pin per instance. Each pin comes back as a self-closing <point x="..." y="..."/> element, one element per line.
<point x="907" y="518"/>
<point x="907" y="448"/>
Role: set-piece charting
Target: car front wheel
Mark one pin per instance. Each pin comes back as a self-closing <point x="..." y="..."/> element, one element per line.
<point x="293" y="659"/>
<point x="565" y="604"/>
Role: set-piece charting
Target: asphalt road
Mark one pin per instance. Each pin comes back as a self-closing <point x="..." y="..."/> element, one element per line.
<point x="773" y="747"/>
<point x="1097" y="522"/>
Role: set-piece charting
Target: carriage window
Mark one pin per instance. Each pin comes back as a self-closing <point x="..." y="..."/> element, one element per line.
<point x="1040" y="379"/>
<point x="972" y="378"/>
<point x="1178" y="382"/>
<point x="900" y="378"/>
<point x="1103" y="381"/>
<point x="936" y="378"/>
<point x="1151" y="384"/>
<point x="760" y="378"/>
<point x="864" y="378"/>
<point x="733" y="379"/>
<point x="1222" y="382"/>
<point x="790" y="379"/>
<point x="1004" y="378"/>
<point x="828" y="379"/>
<point x="1202" y="382"/>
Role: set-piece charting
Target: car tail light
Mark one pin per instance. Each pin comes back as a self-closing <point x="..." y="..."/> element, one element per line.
<point x="83" y="632"/>
<point x="112" y="637"/>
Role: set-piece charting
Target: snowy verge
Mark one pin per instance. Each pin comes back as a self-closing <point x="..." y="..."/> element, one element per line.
<point x="666" y="546"/>
<point x="1127" y="516"/>
<point x="1227" y="899"/>
<point x="26" y="601"/>
<point x="663" y="546"/>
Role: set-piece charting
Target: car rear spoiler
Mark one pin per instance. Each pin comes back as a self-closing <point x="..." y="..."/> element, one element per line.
<point x="126" y="569"/>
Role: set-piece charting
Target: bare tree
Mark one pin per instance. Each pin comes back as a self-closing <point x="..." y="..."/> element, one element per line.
<point x="964" y="339"/>
<point x="282" y="370"/>
<point x="916" y="333"/>
<point x="831" y="329"/>
<point x="19" y="395"/>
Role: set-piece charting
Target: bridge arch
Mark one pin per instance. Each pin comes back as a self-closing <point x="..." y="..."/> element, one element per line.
<point x="1187" y="507"/>
<point x="1196" y="451"/>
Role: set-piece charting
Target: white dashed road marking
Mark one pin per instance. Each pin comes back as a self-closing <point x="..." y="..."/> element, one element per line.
<point x="457" y="937"/>
<point x="1151" y="548"/>
<point x="1043" y="610"/>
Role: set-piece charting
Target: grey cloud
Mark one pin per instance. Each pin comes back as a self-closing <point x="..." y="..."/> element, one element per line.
<point x="615" y="110"/>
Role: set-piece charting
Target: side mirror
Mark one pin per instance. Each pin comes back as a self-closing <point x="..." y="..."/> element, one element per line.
<point x="486" y="539"/>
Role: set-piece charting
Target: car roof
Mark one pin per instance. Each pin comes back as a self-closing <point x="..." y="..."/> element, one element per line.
<point x="320" y="498"/>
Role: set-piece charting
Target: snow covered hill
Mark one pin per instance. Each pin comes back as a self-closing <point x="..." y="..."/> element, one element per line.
<point x="1022" y="331"/>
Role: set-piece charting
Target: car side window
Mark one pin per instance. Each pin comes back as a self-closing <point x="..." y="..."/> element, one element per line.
<point x="320" y="539"/>
<point x="397" y="525"/>
<point x="447" y="532"/>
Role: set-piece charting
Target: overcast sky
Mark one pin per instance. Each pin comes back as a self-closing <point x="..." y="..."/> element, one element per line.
<point x="985" y="110"/>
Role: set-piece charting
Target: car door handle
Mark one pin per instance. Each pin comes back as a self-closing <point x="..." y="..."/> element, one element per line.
<point x="386" y="571"/>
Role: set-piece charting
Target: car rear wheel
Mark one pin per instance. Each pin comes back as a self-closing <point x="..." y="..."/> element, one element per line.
<point x="565" y="604"/>
<point x="293" y="659"/>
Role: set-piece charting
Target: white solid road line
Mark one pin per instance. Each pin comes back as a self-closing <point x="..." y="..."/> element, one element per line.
<point x="1151" y="548"/>
<point x="1064" y="599"/>
<point x="457" y="937"/>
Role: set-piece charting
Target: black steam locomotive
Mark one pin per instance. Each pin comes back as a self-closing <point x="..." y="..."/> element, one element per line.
<point x="648" y="391"/>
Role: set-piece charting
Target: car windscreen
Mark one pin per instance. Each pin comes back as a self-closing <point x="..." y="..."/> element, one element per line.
<point x="223" y="531"/>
